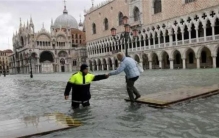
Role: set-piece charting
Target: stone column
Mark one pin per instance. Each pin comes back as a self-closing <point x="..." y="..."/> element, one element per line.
<point x="190" y="39"/>
<point x="171" y="64"/>
<point x="107" y="67"/>
<point x="214" y="62"/>
<point x="198" y="63"/>
<point x="97" y="67"/>
<point x="160" y="64"/>
<point x="150" y="64"/>
<point x="102" y="67"/>
<point x="176" y="37"/>
<point x="164" y="41"/>
<point x="184" y="63"/>
<point x="113" y="66"/>
<point x="93" y="67"/>
<point x="159" y="40"/>
<point x="70" y="67"/>
<point x="38" y="69"/>
<point x="182" y="32"/>
<point x="213" y="31"/>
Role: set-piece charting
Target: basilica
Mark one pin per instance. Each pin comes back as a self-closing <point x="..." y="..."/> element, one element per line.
<point x="62" y="49"/>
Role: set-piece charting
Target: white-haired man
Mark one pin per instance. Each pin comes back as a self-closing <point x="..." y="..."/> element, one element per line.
<point x="129" y="66"/>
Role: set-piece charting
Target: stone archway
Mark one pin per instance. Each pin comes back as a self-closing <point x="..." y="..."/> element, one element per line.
<point x="104" y="64"/>
<point x="110" y="64"/>
<point x="95" y="64"/>
<point x="205" y="58"/>
<point x="62" y="63"/>
<point x="177" y="63"/>
<point x="46" y="61"/>
<point x="145" y="61"/>
<point x="137" y="59"/>
<point x="99" y="64"/>
<point x="165" y="60"/>
<point x="155" y="61"/>
<point x="116" y="63"/>
<point x="190" y="59"/>
<point x="90" y="65"/>
<point x="46" y="56"/>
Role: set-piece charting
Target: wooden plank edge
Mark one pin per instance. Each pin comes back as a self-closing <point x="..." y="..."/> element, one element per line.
<point x="210" y="93"/>
<point x="45" y="133"/>
<point x="157" y="105"/>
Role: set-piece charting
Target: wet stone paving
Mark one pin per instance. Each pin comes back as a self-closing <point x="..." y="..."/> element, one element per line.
<point x="109" y="115"/>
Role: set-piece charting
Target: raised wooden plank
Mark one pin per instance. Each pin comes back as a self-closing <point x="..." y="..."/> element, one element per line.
<point x="164" y="99"/>
<point x="32" y="126"/>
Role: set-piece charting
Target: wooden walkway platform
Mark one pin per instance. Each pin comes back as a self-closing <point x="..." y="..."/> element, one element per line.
<point x="32" y="126"/>
<point x="166" y="98"/>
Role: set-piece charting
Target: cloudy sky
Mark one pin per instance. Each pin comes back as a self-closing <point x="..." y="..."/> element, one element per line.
<point x="42" y="11"/>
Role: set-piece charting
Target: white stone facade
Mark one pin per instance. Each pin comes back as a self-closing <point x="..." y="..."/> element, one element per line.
<point x="179" y="40"/>
<point x="49" y="52"/>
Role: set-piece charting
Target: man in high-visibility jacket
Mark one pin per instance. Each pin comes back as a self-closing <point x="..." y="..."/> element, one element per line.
<point x="80" y="85"/>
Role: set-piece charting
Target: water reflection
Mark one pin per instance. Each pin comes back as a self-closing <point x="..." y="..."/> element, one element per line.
<point x="109" y="115"/>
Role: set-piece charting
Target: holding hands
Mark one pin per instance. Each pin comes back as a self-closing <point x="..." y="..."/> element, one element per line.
<point x="107" y="75"/>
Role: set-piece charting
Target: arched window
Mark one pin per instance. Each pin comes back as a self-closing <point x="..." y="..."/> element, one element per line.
<point x="136" y="14"/>
<point x="106" y="24"/>
<point x="94" y="28"/>
<point x="120" y="18"/>
<point x="157" y="6"/>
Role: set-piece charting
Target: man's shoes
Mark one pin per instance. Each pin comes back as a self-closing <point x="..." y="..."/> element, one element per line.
<point x="137" y="97"/>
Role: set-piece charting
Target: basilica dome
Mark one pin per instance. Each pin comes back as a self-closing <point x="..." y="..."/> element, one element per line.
<point x="66" y="20"/>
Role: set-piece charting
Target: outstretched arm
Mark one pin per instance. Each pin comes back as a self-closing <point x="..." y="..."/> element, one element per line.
<point x="119" y="70"/>
<point x="100" y="77"/>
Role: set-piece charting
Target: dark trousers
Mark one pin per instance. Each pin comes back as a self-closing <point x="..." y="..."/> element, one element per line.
<point x="131" y="88"/>
<point x="76" y="105"/>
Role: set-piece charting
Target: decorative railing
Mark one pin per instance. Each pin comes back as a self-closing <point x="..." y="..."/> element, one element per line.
<point x="163" y="45"/>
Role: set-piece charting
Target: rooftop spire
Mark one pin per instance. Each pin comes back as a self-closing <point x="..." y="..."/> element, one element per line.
<point x="92" y="3"/>
<point x="65" y="10"/>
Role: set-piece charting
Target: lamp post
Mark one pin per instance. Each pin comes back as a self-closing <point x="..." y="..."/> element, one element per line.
<point x="4" y="72"/>
<point x="125" y="34"/>
<point x="29" y="56"/>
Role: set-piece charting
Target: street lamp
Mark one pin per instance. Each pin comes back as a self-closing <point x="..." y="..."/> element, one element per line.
<point x="125" y="34"/>
<point x="4" y="72"/>
<point x="29" y="56"/>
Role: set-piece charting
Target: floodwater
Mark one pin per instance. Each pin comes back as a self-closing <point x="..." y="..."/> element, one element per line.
<point x="109" y="115"/>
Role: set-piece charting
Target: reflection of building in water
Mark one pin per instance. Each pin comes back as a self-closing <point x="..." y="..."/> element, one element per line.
<point x="180" y="35"/>
<point x="31" y="120"/>
<point x="52" y="51"/>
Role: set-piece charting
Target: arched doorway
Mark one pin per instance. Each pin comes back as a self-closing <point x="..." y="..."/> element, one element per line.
<point x="104" y="64"/>
<point x="205" y="58"/>
<point x="137" y="59"/>
<point x="165" y="61"/>
<point x="177" y="59"/>
<point x="95" y="64"/>
<point x="145" y="61"/>
<point x="99" y="64"/>
<point x="110" y="64"/>
<point x="62" y="63"/>
<point x="190" y="59"/>
<point x="90" y="65"/>
<point x="46" y="60"/>
<point x="116" y="63"/>
<point x="155" y="61"/>
<point x="217" y="59"/>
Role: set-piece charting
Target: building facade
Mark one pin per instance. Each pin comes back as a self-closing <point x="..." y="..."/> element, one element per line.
<point x="171" y="33"/>
<point x="48" y="51"/>
<point x="4" y="61"/>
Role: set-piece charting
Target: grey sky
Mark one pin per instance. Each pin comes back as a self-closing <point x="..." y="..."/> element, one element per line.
<point x="42" y="11"/>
